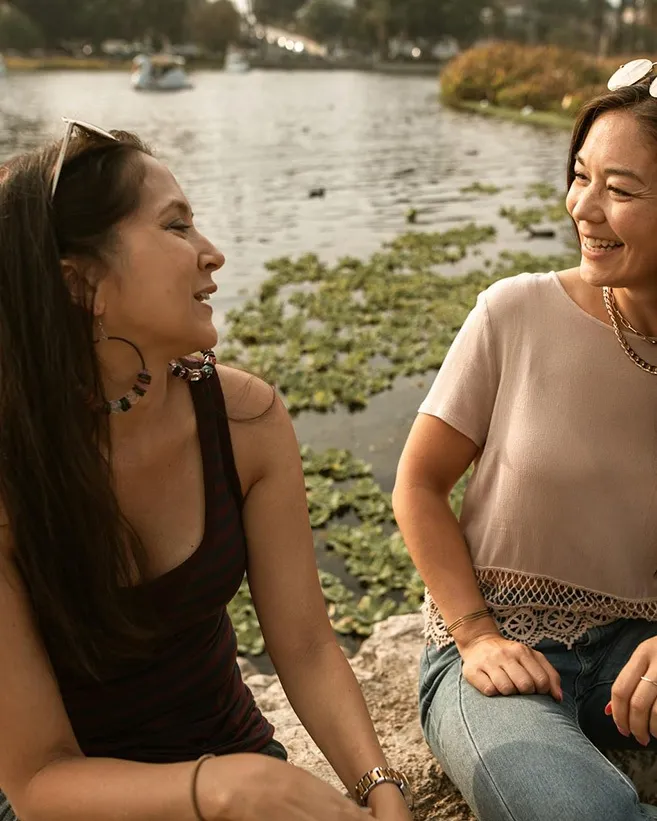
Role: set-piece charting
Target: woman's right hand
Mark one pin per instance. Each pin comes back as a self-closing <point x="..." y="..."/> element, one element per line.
<point x="252" y="787"/>
<point x="499" y="667"/>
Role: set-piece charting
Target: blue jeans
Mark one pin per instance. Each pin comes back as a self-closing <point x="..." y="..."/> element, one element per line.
<point x="527" y="757"/>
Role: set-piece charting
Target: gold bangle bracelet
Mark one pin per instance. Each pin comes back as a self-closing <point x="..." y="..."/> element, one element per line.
<point x="478" y="614"/>
<point x="197" y="767"/>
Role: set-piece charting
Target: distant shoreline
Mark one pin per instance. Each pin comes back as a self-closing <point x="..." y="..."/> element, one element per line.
<point x="103" y="64"/>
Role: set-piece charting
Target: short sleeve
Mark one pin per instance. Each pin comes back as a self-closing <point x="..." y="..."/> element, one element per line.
<point x="463" y="394"/>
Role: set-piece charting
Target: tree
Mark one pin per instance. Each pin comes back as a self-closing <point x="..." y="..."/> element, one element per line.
<point x="323" y="20"/>
<point x="54" y="18"/>
<point x="214" y="25"/>
<point x="17" y="31"/>
<point x="276" y="12"/>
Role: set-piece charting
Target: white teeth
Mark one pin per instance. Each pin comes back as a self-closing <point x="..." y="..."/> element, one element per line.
<point x="204" y="296"/>
<point x="600" y="244"/>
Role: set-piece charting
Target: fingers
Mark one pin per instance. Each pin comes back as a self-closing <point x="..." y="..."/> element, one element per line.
<point x="621" y="692"/>
<point x="653" y="720"/>
<point x="554" y="679"/>
<point x="642" y="703"/>
<point x="502" y="681"/>
<point x="508" y="668"/>
<point x="482" y="682"/>
<point x="522" y="679"/>
<point x="634" y="703"/>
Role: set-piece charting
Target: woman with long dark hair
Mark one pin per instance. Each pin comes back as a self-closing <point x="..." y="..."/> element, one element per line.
<point x="136" y="486"/>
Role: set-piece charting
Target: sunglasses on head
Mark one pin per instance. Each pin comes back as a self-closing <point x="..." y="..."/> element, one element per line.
<point x="71" y="125"/>
<point x="632" y="73"/>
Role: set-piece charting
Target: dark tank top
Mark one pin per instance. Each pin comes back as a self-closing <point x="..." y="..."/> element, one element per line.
<point x="189" y="699"/>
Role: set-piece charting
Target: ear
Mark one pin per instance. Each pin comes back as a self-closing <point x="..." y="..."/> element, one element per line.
<point x="79" y="280"/>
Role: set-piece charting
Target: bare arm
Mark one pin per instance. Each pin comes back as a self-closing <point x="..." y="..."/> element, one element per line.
<point x="42" y="770"/>
<point x="434" y="459"/>
<point x="46" y="777"/>
<point x="285" y="587"/>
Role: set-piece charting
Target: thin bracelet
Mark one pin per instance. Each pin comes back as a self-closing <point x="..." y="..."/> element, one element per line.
<point x="478" y="614"/>
<point x="197" y="767"/>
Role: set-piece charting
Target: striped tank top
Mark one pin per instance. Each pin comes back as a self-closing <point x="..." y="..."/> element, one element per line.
<point x="188" y="699"/>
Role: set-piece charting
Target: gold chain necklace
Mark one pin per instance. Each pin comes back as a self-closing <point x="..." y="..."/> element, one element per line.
<point x="625" y="322"/>
<point x="614" y="316"/>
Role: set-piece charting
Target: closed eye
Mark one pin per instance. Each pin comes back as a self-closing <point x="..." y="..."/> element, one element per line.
<point x="179" y="225"/>
<point x="615" y="190"/>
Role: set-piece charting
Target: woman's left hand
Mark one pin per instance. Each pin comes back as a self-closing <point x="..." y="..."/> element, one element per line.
<point x="633" y="699"/>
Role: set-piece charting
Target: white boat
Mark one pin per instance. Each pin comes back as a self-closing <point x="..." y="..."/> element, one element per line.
<point x="236" y="62"/>
<point x="159" y="72"/>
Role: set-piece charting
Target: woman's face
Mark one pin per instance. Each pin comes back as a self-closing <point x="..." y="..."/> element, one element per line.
<point x="613" y="201"/>
<point x="161" y="266"/>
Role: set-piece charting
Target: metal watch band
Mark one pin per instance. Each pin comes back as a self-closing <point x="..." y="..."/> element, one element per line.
<point x="383" y="775"/>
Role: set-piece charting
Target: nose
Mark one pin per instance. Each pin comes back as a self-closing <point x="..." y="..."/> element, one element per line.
<point x="586" y="206"/>
<point x="210" y="258"/>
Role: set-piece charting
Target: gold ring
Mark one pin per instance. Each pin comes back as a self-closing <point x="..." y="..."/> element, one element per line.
<point x="649" y="680"/>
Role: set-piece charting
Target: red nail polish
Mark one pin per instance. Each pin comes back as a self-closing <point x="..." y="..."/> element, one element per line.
<point x="626" y="733"/>
<point x="608" y="709"/>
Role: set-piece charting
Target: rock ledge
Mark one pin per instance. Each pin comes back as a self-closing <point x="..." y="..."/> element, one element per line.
<point x="386" y="667"/>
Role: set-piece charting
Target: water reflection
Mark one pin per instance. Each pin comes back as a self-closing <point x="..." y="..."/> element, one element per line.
<point x="248" y="149"/>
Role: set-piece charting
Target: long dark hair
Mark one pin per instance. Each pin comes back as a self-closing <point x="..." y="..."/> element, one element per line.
<point x="634" y="98"/>
<point x="71" y="544"/>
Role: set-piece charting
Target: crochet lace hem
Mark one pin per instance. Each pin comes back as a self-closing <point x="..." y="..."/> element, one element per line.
<point x="529" y="609"/>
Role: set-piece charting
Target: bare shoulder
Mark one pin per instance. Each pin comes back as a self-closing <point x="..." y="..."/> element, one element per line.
<point x="261" y="430"/>
<point x="247" y="397"/>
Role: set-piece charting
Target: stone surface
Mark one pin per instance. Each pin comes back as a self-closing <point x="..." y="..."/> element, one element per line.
<point x="386" y="667"/>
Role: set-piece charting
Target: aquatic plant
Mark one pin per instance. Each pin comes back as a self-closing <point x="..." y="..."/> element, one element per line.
<point x="331" y="336"/>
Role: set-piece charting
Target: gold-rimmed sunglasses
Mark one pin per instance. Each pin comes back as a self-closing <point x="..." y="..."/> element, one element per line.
<point x="632" y="73"/>
<point x="71" y="125"/>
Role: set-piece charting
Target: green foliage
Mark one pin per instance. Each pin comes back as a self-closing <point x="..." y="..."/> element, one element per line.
<point x="214" y="26"/>
<point x="332" y="336"/>
<point x="373" y="551"/>
<point x="17" y="31"/>
<point x="480" y="188"/>
<point x="510" y="75"/>
<point x="280" y="12"/>
<point x="324" y="20"/>
<point x="336" y="335"/>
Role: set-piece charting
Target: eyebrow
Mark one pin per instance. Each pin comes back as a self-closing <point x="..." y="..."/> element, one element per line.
<point x="177" y="205"/>
<point x="615" y="172"/>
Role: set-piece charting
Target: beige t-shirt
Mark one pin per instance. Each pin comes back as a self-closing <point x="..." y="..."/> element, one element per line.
<point x="560" y="515"/>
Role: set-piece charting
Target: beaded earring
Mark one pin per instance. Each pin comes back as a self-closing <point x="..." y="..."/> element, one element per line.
<point x="195" y="374"/>
<point x="142" y="383"/>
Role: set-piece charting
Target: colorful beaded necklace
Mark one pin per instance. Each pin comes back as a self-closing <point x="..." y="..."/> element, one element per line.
<point x="143" y="381"/>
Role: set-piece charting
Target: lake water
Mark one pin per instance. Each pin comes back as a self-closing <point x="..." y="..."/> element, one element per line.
<point x="247" y="150"/>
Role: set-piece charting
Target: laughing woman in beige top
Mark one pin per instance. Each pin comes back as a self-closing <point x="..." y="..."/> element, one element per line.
<point x="542" y="600"/>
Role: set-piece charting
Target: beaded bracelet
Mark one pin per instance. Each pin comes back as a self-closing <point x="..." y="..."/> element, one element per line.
<point x="197" y="767"/>
<point x="478" y="614"/>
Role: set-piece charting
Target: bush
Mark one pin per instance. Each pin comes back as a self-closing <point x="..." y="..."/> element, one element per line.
<point x="17" y="31"/>
<point x="547" y="78"/>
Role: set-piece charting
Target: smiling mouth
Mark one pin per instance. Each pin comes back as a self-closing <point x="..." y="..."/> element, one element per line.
<point x="600" y="244"/>
<point x="203" y="296"/>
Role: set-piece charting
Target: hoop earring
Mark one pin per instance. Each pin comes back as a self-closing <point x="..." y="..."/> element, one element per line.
<point x="142" y="383"/>
<point x="195" y="374"/>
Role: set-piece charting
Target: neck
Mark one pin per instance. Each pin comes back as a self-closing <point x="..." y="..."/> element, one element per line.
<point x="639" y="307"/>
<point x="119" y="368"/>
